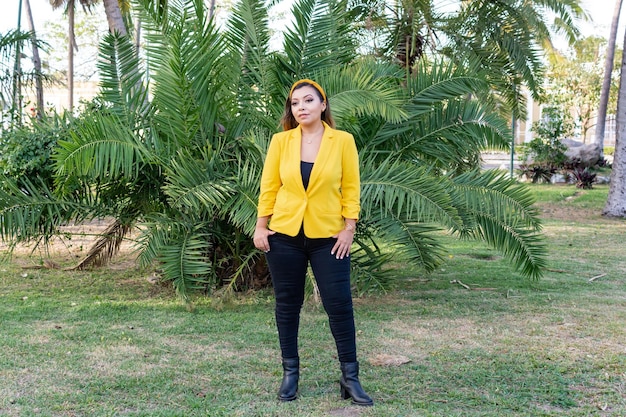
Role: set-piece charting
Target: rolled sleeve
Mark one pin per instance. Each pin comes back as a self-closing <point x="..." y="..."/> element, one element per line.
<point x="350" y="183"/>
<point x="270" y="180"/>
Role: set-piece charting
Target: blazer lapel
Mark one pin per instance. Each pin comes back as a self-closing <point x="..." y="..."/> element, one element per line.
<point x="323" y="155"/>
<point x="295" y="143"/>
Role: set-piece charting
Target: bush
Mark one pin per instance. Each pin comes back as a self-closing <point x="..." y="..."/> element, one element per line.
<point x="537" y="173"/>
<point x="583" y="175"/>
<point x="545" y="154"/>
<point x="25" y="152"/>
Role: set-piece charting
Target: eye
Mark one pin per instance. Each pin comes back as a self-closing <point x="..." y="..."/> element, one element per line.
<point x="308" y="100"/>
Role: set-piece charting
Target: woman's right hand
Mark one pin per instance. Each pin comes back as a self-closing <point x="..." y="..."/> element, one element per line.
<point x="260" y="238"/>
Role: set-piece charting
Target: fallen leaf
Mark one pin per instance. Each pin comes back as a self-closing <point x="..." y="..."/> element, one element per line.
<point x="389" y="360"/>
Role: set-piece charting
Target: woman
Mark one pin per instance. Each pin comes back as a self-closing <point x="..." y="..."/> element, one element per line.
<point x="310" y="190"/>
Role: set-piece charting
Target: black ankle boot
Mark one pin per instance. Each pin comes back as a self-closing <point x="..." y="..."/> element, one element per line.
<point x="350" y="385"/>
<point x="291" y="373"/>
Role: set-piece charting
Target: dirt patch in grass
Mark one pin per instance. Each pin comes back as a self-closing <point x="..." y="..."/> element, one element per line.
<point x="345" y="412"/>
<point x="569" y="213"/>
<point x="578" y="207"/>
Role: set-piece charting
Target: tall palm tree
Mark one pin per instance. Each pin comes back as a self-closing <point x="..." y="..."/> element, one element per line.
<point x="36" y="62"/>
<point x="12" y="75"/>
<point x="503" y="39"/>
<point x="616" y="202"/>
<point x="186" y="164"/>
<point x="70" y="6"/>
<point x="608" y="72"/>
<point x="508" y="37"/>
<point x="114" y="16"/>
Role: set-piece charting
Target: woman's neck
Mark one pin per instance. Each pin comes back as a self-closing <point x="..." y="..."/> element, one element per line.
<point x="313" y="129"/>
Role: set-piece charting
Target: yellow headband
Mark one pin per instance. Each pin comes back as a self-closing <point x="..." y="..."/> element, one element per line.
<point x="307" y="81"/>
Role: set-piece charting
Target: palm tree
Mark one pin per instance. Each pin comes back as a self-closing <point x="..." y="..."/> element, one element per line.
<point x="186" y="164"/>
<point x="606" y="82"/>
<point x="70" y="10"/>
<point x="504" y="39"/>
<point x="507" y="38"/>
<point x="12" y="76"/>
<point x="616" y="203"/>
<point x="36" y="62"/>
<point x="114" y="16"/>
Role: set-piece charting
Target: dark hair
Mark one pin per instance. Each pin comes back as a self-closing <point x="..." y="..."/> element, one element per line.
<point x="288" y="121"/>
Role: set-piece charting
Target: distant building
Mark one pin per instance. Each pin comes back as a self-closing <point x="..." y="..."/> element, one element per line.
<point x="56" y="97"/>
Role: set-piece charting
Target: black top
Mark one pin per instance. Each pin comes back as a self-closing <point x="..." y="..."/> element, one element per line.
<point x="305" y="170"/>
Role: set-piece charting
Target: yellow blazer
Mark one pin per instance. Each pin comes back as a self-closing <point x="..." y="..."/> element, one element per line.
<point x="333" y="193"/>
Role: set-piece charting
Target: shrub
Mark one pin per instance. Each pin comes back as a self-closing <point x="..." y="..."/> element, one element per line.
<point x="25" y="151"/>
<point x="584" y="175"/>
<point x="537" y="173"/>
<point x="545" y="154"/>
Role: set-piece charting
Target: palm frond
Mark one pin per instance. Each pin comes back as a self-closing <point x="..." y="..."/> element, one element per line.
<point x="241" y="207"/>
<point x="434" y="83"/>
<point x="398" y="189"/>
<point x="196" y="185"/>
<point x="411" y="28"/>
<point x="447" y="125"/>
<point x="410" y="241"/>
<point x="106" y="246"/>
<point x="500" y="211"/>
<point x="100" y="147"/>
<point x="29" y="211"/>
<point x="368" y="269"/>
<point x="502" y="40"/>
<point x="319" y="38"/>
<point x="453" y="136"/>
<point x="10" y="39"/>
<point x="254" y="87"/>
<point x="121" y="78"/>
<point x="154" y="12"/>
<point x="430" y="90"/>
<point x="181" y="247"/>
<point x="184" y="54"/>
<point x="525" y="59"/>
<point x="248" y="33"/>
<point x="566" y="15"/>
<point x="366" y="90"/>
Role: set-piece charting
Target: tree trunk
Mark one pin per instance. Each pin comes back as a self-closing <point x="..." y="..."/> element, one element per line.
<point x="138" y="36"/>
<point x="70" y="54"/>
<point x="606" y="83"/>
<point x="212" y="9"/>
<point x="616" y="201"/>
<point x="36" y="62"/>
<point x="114" y="17"/>
<point x="17" y="76"/>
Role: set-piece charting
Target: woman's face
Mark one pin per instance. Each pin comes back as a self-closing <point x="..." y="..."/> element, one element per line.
<point x="306" y="105"/>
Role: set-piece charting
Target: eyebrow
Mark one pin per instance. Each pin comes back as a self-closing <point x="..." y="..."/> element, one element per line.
<point x="308" y="95"/>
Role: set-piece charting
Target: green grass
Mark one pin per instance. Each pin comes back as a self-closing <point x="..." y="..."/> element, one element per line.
<point x="110" y="343"/>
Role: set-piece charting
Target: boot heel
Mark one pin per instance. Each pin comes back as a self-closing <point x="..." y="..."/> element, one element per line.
<point x="344" y="393"/>
<point x="291" y="373"/>
<point x="350" y="385"/>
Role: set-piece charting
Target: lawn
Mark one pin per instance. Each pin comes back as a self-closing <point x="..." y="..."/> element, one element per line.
<point x="473" y="338"/>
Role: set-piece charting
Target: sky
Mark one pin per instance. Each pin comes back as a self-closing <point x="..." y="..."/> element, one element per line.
<point x="601" y="12"/>
<point x="42" y="11"/>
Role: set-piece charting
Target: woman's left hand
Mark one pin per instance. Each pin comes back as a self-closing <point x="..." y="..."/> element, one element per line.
<point x="341" y="249"/>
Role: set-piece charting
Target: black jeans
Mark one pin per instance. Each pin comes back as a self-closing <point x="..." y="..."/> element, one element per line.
<point x="288" y="259"/>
